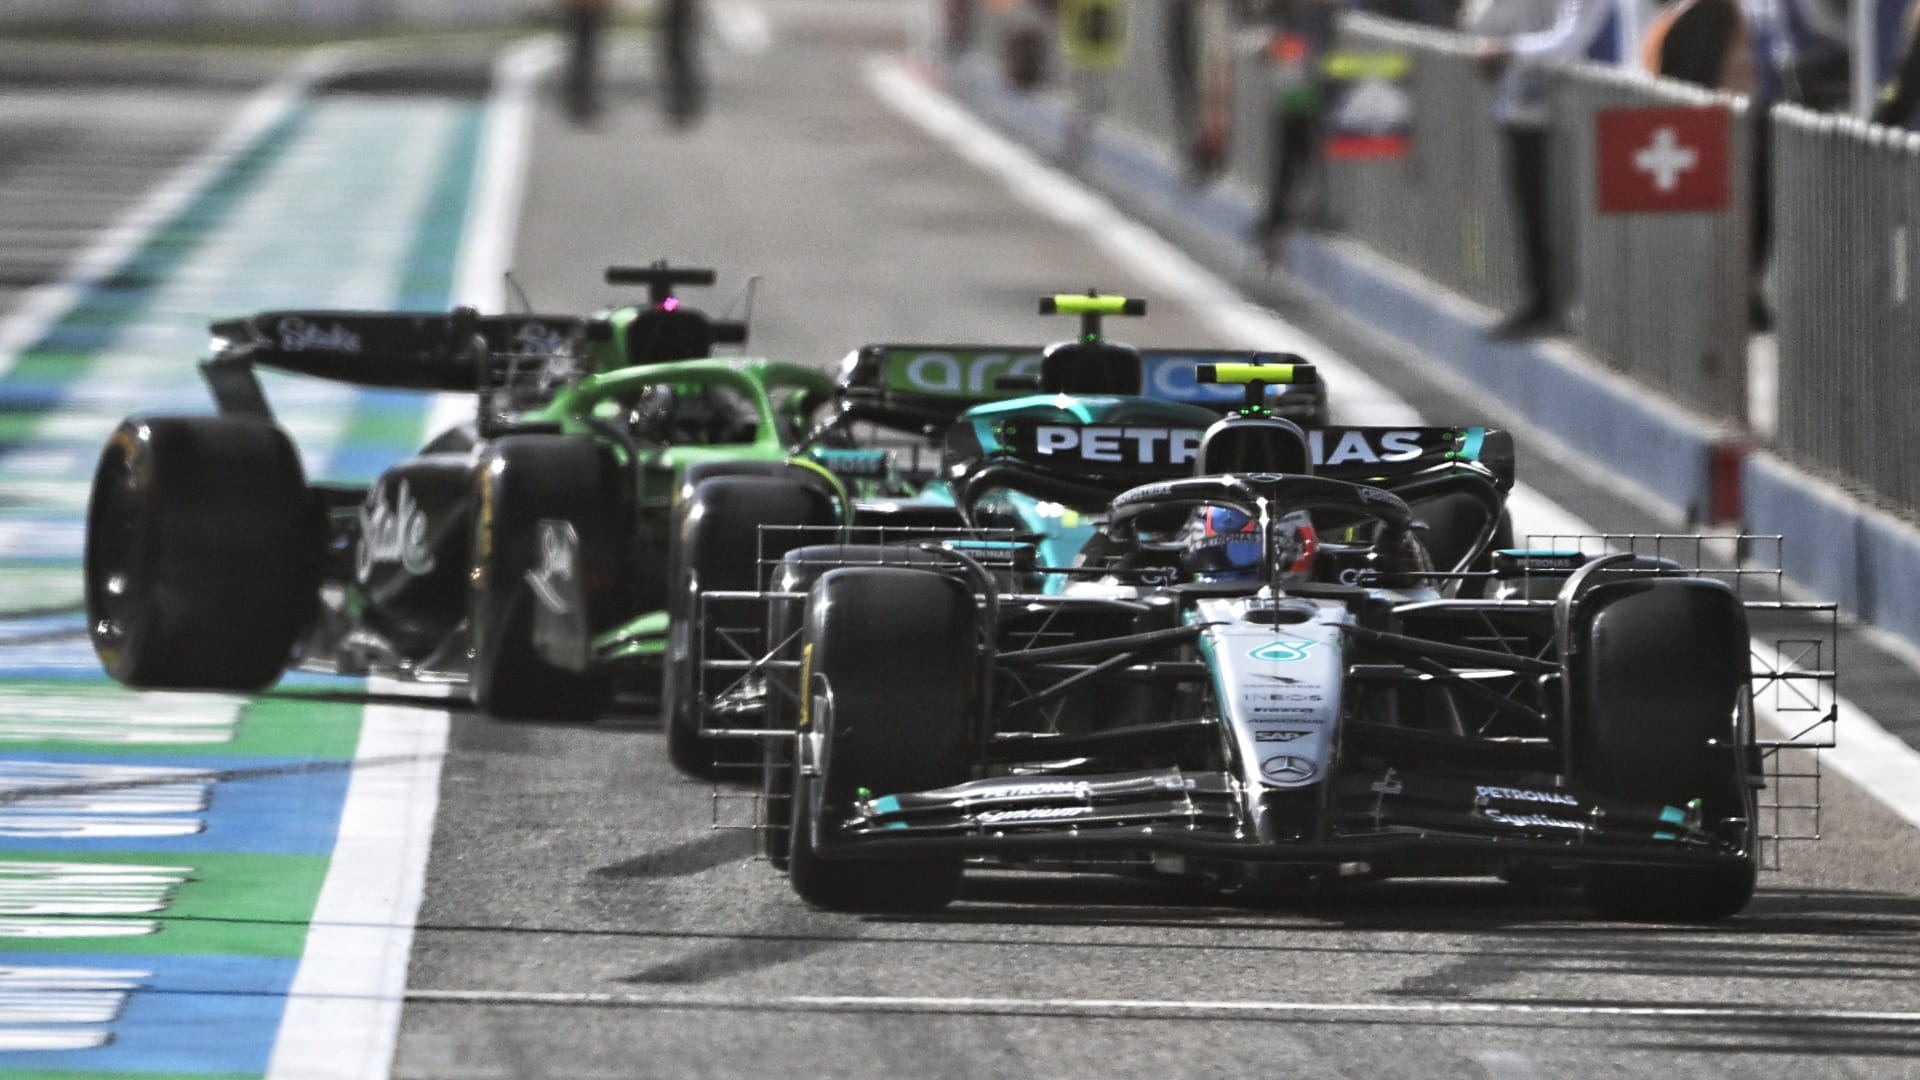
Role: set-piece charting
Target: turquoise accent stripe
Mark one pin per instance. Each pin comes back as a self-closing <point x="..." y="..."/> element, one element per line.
<point x="886" y="804"/>
<point x="1673" y="815"/>
<point x="1470" y="449"/>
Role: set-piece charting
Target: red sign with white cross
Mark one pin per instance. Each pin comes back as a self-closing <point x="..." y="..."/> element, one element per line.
<point x="1662" y="158"/>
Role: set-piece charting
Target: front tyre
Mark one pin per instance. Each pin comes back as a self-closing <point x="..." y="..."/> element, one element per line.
<point x="1658" y="696"/>
<point x="889" y="667"/>
<point x="203" y="553"/>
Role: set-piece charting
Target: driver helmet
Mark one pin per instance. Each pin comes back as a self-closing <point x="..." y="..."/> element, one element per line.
<point x="1222" y="543"/>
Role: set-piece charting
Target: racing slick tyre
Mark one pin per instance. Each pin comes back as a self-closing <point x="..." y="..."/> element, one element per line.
<point x="892" y="688"/>
<point x="1656" y="699"/>
<point x="797" y="572"/>
<point x="203" y="553"/>
<point x="717" y="546"/>
<point x="525" y="480"/>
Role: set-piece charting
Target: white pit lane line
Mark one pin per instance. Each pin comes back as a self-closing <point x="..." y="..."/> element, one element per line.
<point x="1880" y="763"/>
<point x="343" y="1011"/>
<point x="1149" y="1008"/>
<point x="342" y="1018"/>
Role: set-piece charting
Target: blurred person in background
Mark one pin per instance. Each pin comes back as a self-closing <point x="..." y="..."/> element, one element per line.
<point x="1580" y="28"/>
<point x="585" y="23"/>
<point x="1803" y="52"/>
<point x="680" y="59"/>
<point x="1800" y="55"/>
<point x="1899" y="103"/>
<point x="1703" y="42"/>
<point x="1299" y="34"/>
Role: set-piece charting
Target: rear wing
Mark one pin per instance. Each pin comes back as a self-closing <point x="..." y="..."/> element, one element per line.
<point x="1084" y="465"/>
<point x="923" y="388"/>
<point x="1370" y="455"/>
<point x="456" y="352"/>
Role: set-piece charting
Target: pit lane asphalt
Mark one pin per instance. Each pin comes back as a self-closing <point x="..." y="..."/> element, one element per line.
<point x="582" y="920"/>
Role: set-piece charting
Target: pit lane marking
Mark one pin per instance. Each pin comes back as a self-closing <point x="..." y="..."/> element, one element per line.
<point x="47" y="304"/>
<point x="342" y="1016"/>
<point x="1134" y="1007"/>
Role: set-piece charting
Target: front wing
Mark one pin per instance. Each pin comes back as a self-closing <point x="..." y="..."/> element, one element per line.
<point x="1377" y="819"/>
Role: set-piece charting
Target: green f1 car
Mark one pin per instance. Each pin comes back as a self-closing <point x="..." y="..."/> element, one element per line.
<point x="523" y="552"/>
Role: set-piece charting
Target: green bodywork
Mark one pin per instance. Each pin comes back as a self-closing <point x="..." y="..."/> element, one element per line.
<point x="778" y="396"/>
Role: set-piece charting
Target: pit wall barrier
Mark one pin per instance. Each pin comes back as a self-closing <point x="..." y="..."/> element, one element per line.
<point x="1699" y="465"/>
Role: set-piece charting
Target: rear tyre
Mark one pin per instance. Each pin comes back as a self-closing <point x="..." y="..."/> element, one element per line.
<point x="1666" y="665"/>
<point x="524" y="480"/>
<point x="893" y="689"/>
<point x="718" y="546"/>
<point x="203" y="553"/>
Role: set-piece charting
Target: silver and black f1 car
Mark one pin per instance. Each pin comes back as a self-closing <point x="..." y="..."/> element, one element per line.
<point x="1258" y="675"/>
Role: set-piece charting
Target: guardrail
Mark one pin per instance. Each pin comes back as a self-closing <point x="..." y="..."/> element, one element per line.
<point x="1847" y="271"/>
<point x="1661" y="297"/>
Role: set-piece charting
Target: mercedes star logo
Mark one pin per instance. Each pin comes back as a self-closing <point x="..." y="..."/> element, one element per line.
<point x="1287" y="769"/>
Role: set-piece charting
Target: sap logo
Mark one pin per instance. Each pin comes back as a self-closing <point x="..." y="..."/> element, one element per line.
<point x="1283" y="651"/>
<point x="1279" y="736"/>
<point x="1150" y="446"/>
<point x="959" y="373"/>
<point x="1354" y="446"/>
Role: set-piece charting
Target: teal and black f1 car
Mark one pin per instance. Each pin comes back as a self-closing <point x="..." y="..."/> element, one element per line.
<point x="1259" y="671"/>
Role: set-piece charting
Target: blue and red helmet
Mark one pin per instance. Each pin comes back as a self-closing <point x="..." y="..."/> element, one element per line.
<point x="1222" y="543"/>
